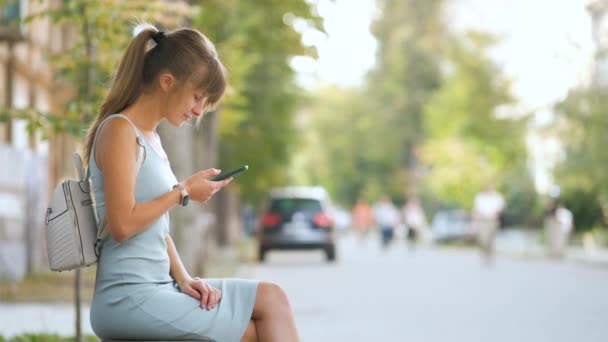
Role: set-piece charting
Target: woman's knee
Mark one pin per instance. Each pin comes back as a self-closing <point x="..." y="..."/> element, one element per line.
<point x="271" y="296"/>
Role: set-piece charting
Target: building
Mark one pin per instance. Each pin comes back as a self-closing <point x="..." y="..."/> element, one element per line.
<point x="598" y="9"/>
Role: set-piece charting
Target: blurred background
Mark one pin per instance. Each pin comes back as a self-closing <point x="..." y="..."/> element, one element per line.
<point x="377" y="134"/>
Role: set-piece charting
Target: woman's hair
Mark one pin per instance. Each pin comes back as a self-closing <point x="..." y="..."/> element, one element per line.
<point x="186" y="53"/>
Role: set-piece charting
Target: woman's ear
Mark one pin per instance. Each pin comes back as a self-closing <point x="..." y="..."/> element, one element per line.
<point x="167" y="82"/>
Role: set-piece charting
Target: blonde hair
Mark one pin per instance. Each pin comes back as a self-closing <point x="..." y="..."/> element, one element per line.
<point x="186" y="53"/>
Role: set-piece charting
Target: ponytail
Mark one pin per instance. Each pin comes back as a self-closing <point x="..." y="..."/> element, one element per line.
<point x="126" y="86"/>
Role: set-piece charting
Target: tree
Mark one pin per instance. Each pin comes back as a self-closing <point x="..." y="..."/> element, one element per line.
<point x="470" y="142"/>
<point x="256" y="40"/>
<point x="433" y="119"/>
<point x="344" y="145"/>
<point x="581" y="126"/>
<point x="410" y="36"/>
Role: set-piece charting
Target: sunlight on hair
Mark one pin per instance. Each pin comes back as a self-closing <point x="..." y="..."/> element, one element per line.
<point x="138" y="28"/>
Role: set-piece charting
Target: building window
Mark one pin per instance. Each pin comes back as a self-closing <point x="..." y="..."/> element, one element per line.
<point x="10" y="14"/>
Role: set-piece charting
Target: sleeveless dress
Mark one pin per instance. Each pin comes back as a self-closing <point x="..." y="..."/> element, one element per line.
<point x="135" y="297"/>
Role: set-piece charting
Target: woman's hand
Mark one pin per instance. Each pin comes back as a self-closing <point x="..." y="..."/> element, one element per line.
<point x="199" y="289"/>
<point x="200" y="188"/>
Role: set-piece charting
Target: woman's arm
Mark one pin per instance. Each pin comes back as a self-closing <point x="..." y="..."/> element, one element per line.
<point x="115" y="153"/>
<point x="194" y="287"/>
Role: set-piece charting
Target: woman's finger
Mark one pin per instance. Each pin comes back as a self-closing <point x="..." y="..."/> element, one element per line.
<point x="204" y="296"/>
<point x="192" y="292"/>
<point x="211" y="298"/>
<point x="214" y="298"/>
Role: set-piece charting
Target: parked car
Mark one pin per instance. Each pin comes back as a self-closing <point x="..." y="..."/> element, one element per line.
<point x="297" y="218"/>
<point x="452" y="225"/>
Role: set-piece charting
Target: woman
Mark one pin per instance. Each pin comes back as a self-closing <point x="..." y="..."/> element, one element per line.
<point x="142" y="289"/>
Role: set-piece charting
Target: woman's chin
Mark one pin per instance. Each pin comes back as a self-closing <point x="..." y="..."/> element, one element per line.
<point x="176" y="123"/>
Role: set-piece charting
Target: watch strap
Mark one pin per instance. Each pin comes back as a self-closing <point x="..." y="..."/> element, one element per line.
<point x="183" y="193"/>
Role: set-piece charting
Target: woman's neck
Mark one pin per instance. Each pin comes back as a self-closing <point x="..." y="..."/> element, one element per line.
<point x="145" y="113"/>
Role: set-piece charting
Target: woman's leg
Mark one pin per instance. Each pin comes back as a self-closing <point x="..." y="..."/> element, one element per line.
<point x="273" y="315"/>
<point x="251" y="334"/>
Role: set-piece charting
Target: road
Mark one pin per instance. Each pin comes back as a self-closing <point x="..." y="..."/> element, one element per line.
<point x="430" y="295"/>
<point x="438" y="295"/>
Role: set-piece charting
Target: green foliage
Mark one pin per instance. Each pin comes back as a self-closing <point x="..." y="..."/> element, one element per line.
<point x="410" y="36"/>
<point x="523" y="205"/>
<point x="342" y="146"/>
<point x="469" y="145"/>
<point x="45" y="338"/>
<point x="425" y="121"/>
<point x="256" y="41"/>
<point x="581" y="126"/>
<point x="86" y="67"/>
<point x="585" y="208"/>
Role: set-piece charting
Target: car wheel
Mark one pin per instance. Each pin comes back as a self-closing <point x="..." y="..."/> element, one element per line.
<point x="262" y="254"/>
<point x="330" y="253"/>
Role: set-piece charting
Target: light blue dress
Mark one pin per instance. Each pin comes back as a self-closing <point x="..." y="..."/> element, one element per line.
<point x="135" y="297"/>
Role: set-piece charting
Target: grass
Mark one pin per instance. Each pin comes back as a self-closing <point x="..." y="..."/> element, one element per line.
<point x="48" y="287"/>
<point x="46" y="338"/>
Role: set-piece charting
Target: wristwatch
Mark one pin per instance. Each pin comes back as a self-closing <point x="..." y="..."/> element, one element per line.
<point x="183" y="192"/>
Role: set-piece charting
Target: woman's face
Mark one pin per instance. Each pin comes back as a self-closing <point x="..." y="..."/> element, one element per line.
<point x="185" y="104"/>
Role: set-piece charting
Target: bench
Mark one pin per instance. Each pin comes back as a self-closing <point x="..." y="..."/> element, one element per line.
<point x="106" y="340"/>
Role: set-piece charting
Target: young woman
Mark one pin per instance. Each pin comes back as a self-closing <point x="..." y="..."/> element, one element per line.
<point x="142" y="289"/>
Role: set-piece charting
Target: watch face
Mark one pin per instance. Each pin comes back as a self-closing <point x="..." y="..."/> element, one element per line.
<point x="185" y="201"/>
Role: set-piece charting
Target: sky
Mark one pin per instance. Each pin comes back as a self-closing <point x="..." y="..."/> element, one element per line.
<point x="545" y="46"/>
<point x="347" y="52"/>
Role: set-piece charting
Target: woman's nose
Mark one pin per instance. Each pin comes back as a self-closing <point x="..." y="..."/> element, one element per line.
<point x="197" y="110"/>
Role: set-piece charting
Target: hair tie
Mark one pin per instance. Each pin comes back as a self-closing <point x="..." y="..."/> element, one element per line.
<point x="158" y="37"/>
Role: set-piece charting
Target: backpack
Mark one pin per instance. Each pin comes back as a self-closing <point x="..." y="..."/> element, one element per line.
<point x="73" y="230"/>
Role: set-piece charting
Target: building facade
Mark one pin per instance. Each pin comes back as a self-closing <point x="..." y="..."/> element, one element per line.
<point x="598" y="9"/>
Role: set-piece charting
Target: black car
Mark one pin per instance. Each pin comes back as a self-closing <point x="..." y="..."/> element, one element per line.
<point x="297" y="218"/>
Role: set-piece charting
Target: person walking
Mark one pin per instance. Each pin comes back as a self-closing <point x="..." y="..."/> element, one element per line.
<point x="558" y="226"/>
<point x="387" y="218"/>
<point x="142" y="289"/>
<point x="415" y="222"/>
<point x="362" y="218"/>
<point x="487" y="207"/>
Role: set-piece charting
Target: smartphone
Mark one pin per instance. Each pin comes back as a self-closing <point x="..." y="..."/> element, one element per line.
<point x="229" y="174"/>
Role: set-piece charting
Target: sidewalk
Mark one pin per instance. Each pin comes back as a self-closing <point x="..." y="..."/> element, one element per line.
<point x="526" y="244"/>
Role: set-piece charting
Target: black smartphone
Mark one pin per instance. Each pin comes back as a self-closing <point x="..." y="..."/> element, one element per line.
<point x="229" y="174"/>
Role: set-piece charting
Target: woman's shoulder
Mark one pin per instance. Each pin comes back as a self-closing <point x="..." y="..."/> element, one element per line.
<point x="117" y="128"/>
<point x="114" y="137"/>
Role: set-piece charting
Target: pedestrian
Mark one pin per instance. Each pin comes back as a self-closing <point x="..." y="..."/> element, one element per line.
<point x="362" y="218"/>
<point x="558" y="225"/>
<point x="142" y="289"/>
<point x="387" y="218"/>
<point x="487" y="208"/>
<point x="415" y="221"/>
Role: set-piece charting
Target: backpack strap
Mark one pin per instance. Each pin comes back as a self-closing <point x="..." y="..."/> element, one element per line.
<point x="141" y="151"/>
<point x="102" y="229"/>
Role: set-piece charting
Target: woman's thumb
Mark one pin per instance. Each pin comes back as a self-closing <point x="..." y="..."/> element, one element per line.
<point x="211" y="172"/>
